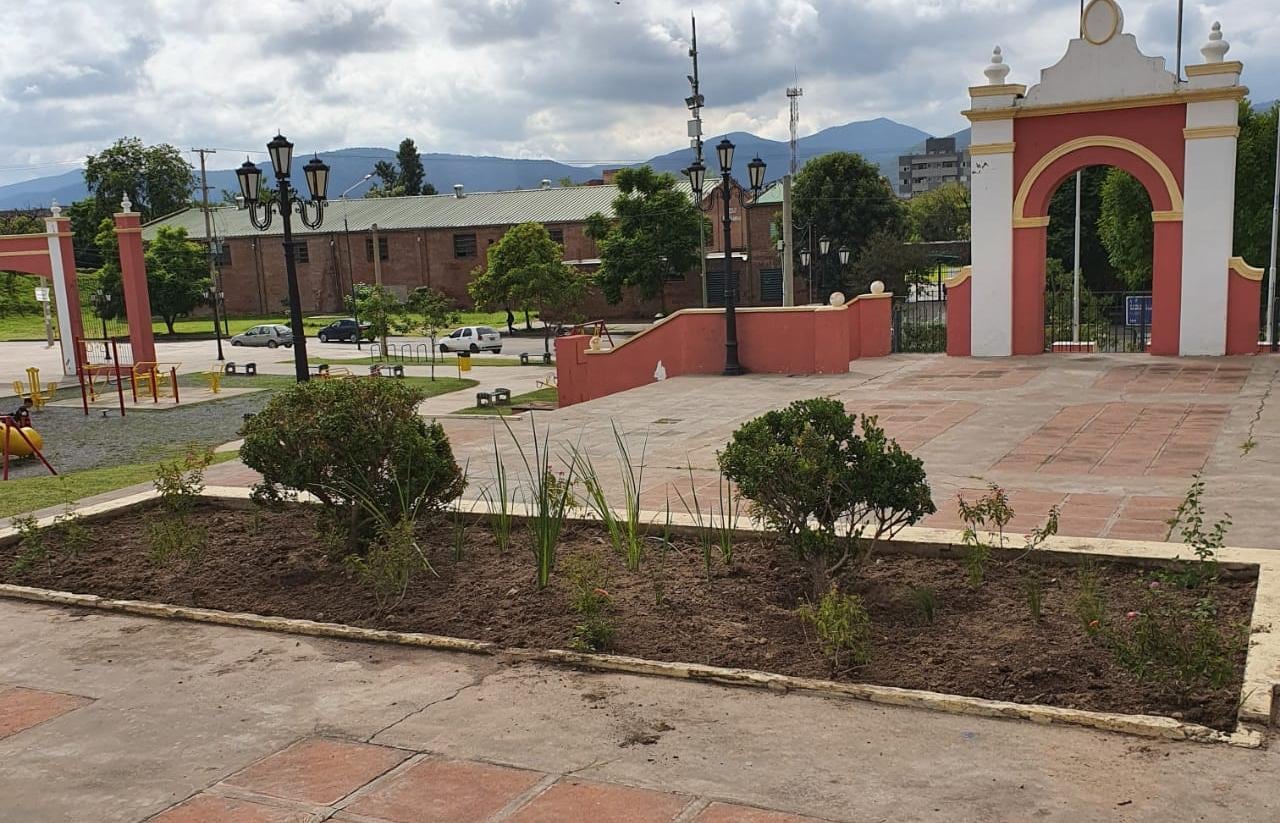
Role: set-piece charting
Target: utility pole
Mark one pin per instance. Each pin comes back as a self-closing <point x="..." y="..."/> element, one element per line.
<point x="208" y="240"/>
<point x="1275" y="234"/>
<point x="788" y="250"/>
<point x="1075" y="280"/>
<point x="694" y="102"/>
<point x="794" y="93"/>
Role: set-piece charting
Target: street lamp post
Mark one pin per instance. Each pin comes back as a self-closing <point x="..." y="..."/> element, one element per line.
<point x="317" y="174"/>
<point x="755" y="170"/>
<point x="214" y="296"/>
<point x="824" y="252"/>
<point x="101" y="302"/>
<point x="806" y="260"/>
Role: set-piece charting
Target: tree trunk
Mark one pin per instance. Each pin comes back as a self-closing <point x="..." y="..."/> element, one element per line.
<point x="528" y="326"/>
<point x="818" y="579"/>
<point x="168" y="323"/>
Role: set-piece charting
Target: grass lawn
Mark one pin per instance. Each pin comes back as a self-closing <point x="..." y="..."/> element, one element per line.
<point x="545" y="395"/>
<point x="441" y="385"/>
<point x="449" y="361"/>
<point x="32" y="493"/>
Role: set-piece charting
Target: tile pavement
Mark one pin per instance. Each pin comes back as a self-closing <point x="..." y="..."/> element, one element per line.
<point x="22" y="709"/>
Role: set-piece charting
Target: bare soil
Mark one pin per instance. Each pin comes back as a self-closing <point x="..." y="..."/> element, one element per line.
<point x="983" y="642"/>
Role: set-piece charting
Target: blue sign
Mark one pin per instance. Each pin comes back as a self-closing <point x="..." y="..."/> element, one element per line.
<point x="1137" y="310"/>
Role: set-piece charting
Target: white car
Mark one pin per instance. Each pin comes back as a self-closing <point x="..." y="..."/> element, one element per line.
<point x="472" y="339"/>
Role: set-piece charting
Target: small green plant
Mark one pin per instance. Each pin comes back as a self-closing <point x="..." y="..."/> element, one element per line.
<point x="1205" y="543"/>
<point x="499" y="502"/>
<point x="704" y="525"/>
<point x="589" y="581"/>
<point x="1033" y="591"/>
<point x="843" y="627"/>
<point x="1090" y="605"/>
<point x="32" y="547"/>
<point x="1042" y="533"/>
<point x="388" y="565"/>
<point x="990" y="514"/>
<point x="179" y="482"/>
<point x="658" y="566"/>
<point x="626" y="533"/>
<point x="73" y="537"/>
<point x="726" y="520"/>
<point x="458" y="522"/>
<point x="550" y="500"/>
<point x="924" y="599"/>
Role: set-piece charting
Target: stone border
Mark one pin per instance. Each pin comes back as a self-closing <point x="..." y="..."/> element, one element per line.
<point x="1260" y="668"/>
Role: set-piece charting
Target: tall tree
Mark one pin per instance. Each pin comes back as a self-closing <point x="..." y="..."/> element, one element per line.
<point x="940" y="214"/>
<point x="406" y="177"/>
<point x="653" y="236"/>
<point x="1095" y="266"/>
<point x="844" y="198"/>
<point x="1255" y="177"/>
<point x="379" y="307"/>
<point x="1124" y="226"/>
<point x="886" y="258"/>
<point x="177" y="274"/>
<point x="525" y="270"/>
<point x="426" y="312"/>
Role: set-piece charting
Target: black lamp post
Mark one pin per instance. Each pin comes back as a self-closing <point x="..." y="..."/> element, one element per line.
<point x="317" y="174"/>
<point x="806" y="260"/>
<point x="214" y="296"/>
<point x="102" y="302"/>
<point x="755" y="170"/>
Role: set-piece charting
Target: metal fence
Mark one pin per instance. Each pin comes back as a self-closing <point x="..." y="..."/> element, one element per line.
<point x="920" y="319"/>
<point x="1118" y="321"/>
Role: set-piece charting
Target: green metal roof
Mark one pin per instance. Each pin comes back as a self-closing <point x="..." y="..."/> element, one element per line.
<point x="501" y="208"/>
<point x="771" y="195"/>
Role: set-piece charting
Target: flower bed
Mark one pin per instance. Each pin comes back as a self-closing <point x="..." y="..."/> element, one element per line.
<point x="929" y="627"/>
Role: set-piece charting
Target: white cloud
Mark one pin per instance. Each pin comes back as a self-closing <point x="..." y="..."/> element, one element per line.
<point x="577" y="80"/>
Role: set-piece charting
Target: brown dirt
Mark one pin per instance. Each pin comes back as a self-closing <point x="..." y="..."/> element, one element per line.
<point x="983" y="642"/>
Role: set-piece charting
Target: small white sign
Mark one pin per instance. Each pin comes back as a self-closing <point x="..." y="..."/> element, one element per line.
<point x="42" y="294"/>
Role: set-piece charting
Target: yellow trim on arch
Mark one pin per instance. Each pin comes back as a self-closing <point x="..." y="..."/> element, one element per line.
<point x="1137" y="149"/>
<point x="1237" y="265"/>
<point x="1030" y="222"/>
<point x="1171" y="216"/>
<point x="1210" y="132"/>
<point x="955" y="279"/>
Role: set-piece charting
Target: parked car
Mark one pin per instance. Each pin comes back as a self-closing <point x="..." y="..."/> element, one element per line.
<point x="269" y="335"/>
<point x="344" y="330"/>
<point x="472" y="339"/>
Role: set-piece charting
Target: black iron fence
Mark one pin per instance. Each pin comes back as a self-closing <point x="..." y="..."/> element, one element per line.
<point x="920" y="319"/>
<point x="1117" y="321"/>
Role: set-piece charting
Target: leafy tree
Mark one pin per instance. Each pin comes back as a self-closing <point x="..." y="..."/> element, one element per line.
<point x="525" y="270"/>
<point x="1094" y="264"/>
<point x="1124" y="226"/>
<point x="844" y="198"/>
<point x="941" y="214"/>
<point x="405" y="177"/>
<point x="177" y="274"/>
<point x="653" y="236"/>
<point x="106" y="250"/>
<point x="887" y="258"/>
<point x="1255" y="178"/>
<point x="379" y="307"/>
<point x="427" y="312"/>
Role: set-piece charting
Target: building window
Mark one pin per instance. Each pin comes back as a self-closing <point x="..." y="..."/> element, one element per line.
<point x="301" y="253"/>
<point x="771" y="286"/>
<point x="222" y="253"/>
<point x="382" y="249"/>
<point x="557" y="235"/>
<point x="464" y="245"/>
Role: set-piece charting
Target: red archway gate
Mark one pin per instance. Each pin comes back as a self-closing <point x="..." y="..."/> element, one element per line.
<point x="1106" y="103"/>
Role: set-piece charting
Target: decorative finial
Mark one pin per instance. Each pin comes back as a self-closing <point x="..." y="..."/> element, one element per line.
<point x="997" y="71"/>
<point x="126" y="205"/>
<point x="1215" y="48"/>
<point x="54" y="208"/>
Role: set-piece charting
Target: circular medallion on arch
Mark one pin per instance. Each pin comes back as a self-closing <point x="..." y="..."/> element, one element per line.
<point x="1102" y="21"/>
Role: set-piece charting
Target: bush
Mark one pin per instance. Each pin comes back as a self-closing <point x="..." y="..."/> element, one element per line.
<point x="358" y="446"/>
<point x="830" y="492"/>
<point x="922" y="337"/>
<point x="179" y="483"/>
<point x="843" y="627"/>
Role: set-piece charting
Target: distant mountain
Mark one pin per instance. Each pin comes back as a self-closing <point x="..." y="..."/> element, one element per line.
<point x="880" y="141"/>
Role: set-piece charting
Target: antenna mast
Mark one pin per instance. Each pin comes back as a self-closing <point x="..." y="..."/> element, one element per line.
<point x="695" y="101"/>
<point x="794" y="93"/>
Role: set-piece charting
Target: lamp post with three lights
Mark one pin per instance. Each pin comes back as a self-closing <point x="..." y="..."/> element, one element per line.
<point x="317" y="174"/>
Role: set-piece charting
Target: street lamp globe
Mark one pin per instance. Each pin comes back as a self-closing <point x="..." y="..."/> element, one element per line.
<point x="844" y="255"/>
<point x="781" y="244"/>
<point x="804" y="257"/>
<point x="250" y="177"/>
<point x="755" y="172"/>
<point x="697" y="173"/>
<point x="824" y="245"/>
<point x="724" y="151"/>
<point x="317" y="173"/>
<point x="281" y="154"/>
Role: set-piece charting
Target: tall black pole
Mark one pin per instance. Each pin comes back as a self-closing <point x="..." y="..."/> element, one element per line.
<point x="731" y="364"/>
<point x="291" y="273"/>
<point x="355" y="311"/>
<point x="217" y="329"/>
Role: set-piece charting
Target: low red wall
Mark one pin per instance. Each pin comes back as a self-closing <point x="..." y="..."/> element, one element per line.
<point x="960" y="317"/>
<point x="1244" y="295"/>
<point x="802" y="340"/>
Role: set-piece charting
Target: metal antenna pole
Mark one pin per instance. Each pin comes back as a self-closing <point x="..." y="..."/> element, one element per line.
<point x="208" y="242"/>
<point x="794" y="93"/>
<point x="694" y="103"/>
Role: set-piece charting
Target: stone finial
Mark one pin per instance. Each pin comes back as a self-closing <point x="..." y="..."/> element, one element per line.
<point x="1215" y="48"/>
<point x="55" y="209"/>
<point x="126" y="205"/>
<point x="997" y="71"/>
<point x="877" y="287"/>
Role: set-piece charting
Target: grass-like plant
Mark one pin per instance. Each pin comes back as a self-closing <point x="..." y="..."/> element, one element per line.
<point x="726" y="519"/>
<point x="499" y="502"/>
<point x="924" y="599"/>
<point x="626" y="533"/>
<point x="1090" y="605"/>
<point x="549" y="499"/>
<point x="391" y="558"/>
<point x="704" y="526"/>
<point x="1033" y="591"/>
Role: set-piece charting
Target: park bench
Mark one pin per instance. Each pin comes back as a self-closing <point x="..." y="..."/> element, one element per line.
<point x="483" y="399"/>
<point x="248" y="369"/>
<point x="501" y="396"/>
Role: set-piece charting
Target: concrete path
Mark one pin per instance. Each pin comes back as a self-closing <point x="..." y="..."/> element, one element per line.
<point x="114" y="718"/>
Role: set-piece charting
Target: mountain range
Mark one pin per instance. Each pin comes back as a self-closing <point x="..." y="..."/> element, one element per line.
<point x="880" y="141"/>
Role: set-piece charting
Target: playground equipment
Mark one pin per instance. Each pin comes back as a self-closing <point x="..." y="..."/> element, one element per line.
<point x="39" y="397"/>
<point x="20" y="441"/>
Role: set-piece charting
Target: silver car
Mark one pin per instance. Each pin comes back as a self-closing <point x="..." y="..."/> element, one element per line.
<point x="269" y="335"/>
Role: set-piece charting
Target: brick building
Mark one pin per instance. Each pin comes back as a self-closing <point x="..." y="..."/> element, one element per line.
<point x="439" y="240"/>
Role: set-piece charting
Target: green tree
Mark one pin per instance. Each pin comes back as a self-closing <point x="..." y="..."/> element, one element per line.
<point x="653" y="236"/>
<point x="406" y="177"/>
<point x="106" y="251"/>
<point x="379" y="307"/>
<point x="887" y="258"/>
<point x="940" y="214"/>
<point x="428" y="311"/>
<point x="525" y="270"/>
<point x="843" y="198"/>
<point x="1094" y="264"/>
<point x="1255" y="178"/>
<point x="177" y="274"/>
<point x="1124" y="226"/>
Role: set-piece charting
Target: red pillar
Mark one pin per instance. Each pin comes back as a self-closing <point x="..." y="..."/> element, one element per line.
<point x="133" y="272"/>
<point x="1029" y="245"/>
<point x="1166" y="288"/>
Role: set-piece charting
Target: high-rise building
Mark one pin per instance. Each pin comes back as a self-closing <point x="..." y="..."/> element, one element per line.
<point x="940" y="163"/>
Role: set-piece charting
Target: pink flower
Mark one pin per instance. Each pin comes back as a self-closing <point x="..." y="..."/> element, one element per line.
<point x="1131" y="615"/>
<point x="1093" y="624"/>
<point x="1154" y="584"/>
<point x="599" y="592"/>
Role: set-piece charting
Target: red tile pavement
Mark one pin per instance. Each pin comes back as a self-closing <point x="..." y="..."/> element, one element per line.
<point x="445" y="791"/>
<point x="913" y="424"/>
<point x="206" y="808"/>
<point x="317" y="770"/>
<point x="588" y="802"/>
<point x="969" y="377"/>
<point x="21" y="709"/>
<point x="1123" y="517"/>
<point x="1174" y="379"/>
<point x="726" y="813"/>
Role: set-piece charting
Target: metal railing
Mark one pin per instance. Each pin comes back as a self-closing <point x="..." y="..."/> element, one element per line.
<point x="1117" y="321"/>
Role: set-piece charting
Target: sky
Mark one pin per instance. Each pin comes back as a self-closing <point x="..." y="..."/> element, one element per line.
<point x="580" y="81"/>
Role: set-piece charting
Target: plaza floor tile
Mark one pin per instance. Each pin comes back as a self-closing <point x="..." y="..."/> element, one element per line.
<point x="21" y="709"/>
<point x="207" y="808"/>
<point x="728" y="813"/>
<point x="317" y="770"/>
<point x="570" y="802"/>
<point x="445" y="791"/>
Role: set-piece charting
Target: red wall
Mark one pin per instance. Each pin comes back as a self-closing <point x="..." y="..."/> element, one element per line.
<point x="1244" y="295"/>
<point x="960" y="318"/>
<point x="806" y="340"/>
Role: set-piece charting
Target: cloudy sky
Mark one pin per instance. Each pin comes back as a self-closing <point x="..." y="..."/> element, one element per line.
<point x="582" y="81"/>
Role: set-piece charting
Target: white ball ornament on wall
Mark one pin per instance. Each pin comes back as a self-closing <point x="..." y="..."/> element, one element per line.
<point x="877" y="287"/>
<point x="837" y="298"/>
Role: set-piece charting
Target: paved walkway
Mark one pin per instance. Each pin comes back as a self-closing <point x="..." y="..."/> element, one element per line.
<point x="112" y="718"/>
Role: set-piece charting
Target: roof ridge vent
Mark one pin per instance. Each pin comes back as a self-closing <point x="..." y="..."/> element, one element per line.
<point x="458" y="192"/>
